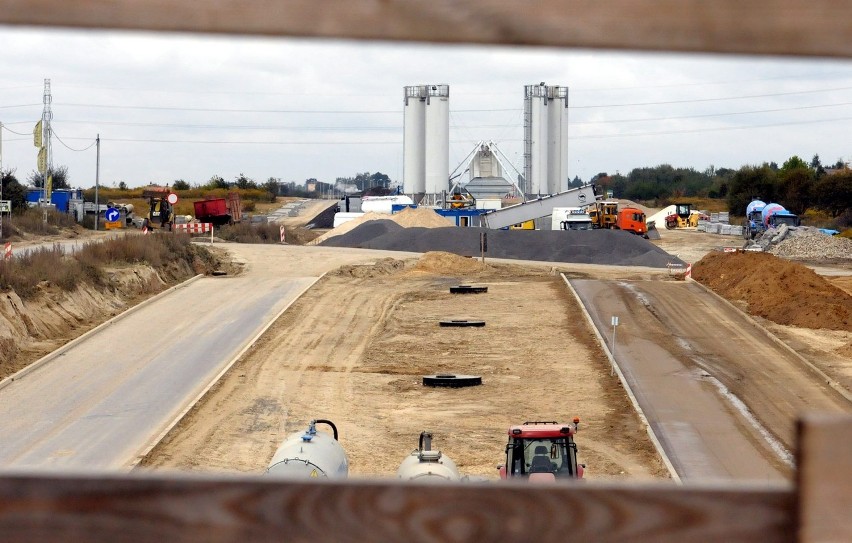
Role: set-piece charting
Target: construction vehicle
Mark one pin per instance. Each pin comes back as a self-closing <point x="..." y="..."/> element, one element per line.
<point x="604" y="213"/>
<point x="632" y="220"/>
<point x="219" y="211"/>
<point x="426" y="465"/>
<point x="526" y="225"/>
<point x="570" y="218"/>
<point x="542" y="452"/>
<point x="774" y="215"/>
<point x="683" y="216"/>
<point x="754" y="221"/>
<point x="159" y="208"/>
<point x="310" y="455"/>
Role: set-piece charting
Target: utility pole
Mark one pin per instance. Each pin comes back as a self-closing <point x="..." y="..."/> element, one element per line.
<point x="45" y="156"/>
<point x="1" y="177"/>
<point x="97" y="180"/>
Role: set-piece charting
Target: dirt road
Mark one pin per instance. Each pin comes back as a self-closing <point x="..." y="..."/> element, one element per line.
<point x="353" y="350"/>
<point x="722" y="396"/>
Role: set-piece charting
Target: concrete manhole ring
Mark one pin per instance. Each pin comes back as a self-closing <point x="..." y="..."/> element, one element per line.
<point x="467" y="289"/>
<point x="451" y="380"/>
<point x="462" y="323"/>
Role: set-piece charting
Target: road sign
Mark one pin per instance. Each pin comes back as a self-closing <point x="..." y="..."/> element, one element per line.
<point x="112" y="225"/>
<point x="283" y="233"/>
<point x="5" y="206"/>
<point x="111" y="215"/>
<point x="172" y="198"/>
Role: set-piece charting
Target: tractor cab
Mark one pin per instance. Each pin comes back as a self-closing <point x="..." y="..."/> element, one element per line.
<point x="542" y="452"/>
<point x="682" y="217"/>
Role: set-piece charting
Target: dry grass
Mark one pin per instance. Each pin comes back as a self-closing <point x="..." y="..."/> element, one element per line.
<point x="32" y="221"/>
<point x="246" y="232"/>
<point x="27" y="274"/>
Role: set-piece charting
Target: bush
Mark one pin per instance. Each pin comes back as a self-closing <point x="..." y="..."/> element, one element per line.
<point x="49" y="266"/>
<point x="245" y="232"/>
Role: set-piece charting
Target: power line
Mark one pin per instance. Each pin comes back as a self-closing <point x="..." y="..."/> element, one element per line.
<point x="13" y="132"/>
<point x="20" y="105"/>
<point x="717" y="129"/>
<point x="71" y="148"/>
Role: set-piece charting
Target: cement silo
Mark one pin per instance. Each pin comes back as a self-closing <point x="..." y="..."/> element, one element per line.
<point x="437" y="149"/>
<point x="426" y="139"/>
<point x="545" y="138"/>
<point x="413" y="143"/>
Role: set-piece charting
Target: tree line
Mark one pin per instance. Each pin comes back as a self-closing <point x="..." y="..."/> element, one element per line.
<point x="796" y="184"/>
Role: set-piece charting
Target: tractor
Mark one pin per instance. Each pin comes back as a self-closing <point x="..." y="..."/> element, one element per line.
<point x="542" y="452"/>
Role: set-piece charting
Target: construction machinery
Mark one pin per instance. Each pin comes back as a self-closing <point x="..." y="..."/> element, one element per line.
<point x="774" y="215"/>
<point x="310" y="455"/>
<point x="604" y="213"/>
<point x="427" y="465"/>
<point x="570" y="218"/>
<point x="159" y="208"/>
<point x="754" y="222"/>
<point x="219" y="211"/>
<point x="542" y="452"/>
<point x="538" y="208"/>
<point x="683" y="216"/>
<point x="632" y="220"/>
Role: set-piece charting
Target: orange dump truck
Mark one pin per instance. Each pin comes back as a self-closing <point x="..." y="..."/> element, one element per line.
<point x="632" y="220"/>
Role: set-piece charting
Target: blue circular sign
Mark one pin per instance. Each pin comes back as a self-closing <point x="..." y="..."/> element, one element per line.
<point x="111" y="214"/>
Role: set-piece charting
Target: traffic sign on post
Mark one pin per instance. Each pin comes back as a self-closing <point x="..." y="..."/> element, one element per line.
<point x="111" y="215"/>
<point x="172" y="198"/>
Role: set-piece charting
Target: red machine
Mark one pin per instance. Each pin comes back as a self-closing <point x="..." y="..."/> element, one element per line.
<point x="219" y="211"/>
<point x="542" y="452"/>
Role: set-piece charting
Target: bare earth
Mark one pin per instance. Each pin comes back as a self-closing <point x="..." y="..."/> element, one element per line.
<point x="353" y="350"/>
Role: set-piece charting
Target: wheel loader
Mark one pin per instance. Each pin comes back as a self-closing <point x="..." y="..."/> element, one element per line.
<point x="683" y="217"/>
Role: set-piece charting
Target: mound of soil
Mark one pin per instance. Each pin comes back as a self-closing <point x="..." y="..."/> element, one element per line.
<point x="446" y="263"/>
<point x="608" y="247"/>
<point x="776" y="289"/>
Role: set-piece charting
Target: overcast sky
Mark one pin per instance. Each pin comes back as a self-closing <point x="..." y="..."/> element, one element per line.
<point x="175" y="106"/>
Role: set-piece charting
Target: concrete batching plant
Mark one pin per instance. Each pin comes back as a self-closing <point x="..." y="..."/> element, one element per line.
<point x="545" y="139"/>
<point x="426" y="141"/>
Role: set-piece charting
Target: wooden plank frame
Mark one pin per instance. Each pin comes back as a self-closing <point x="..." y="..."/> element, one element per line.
<point x="765" y="27"/>
<point x="180" y="508"/>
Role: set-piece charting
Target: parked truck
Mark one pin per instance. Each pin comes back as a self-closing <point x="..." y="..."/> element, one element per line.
<point x="774" y="215"/>
<point x="219" y="211"/>
<point x="570" y="218"/>
<point x="542" y="452"/>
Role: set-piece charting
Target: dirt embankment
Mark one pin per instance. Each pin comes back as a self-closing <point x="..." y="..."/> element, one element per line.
<point x="778" y="290"/>
<point x="34" y="326"/>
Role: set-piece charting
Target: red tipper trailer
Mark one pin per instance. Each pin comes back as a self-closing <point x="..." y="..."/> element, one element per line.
<point x="219" y="211"/>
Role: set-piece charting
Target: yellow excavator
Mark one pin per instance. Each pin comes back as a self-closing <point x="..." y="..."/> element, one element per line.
<point x="159" y="208"/>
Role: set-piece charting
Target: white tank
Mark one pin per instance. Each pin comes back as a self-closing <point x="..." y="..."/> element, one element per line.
<point x="310" y="455"/>
<point x="537" y="135"/>
<point x="426" y="465"/>
<point x="437" y="148"/>
<point x="414" y="138"/>
<point x="557" y="139"/>
<point x="383" y="204"/>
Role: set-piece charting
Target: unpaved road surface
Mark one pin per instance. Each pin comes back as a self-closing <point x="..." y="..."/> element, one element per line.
<point x="354" y="348"/>
<point x="722" y="397"/>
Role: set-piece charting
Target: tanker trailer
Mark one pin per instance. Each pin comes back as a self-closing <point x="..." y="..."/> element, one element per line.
<point x="426" y="465"/>
<point x="310" y="454"/>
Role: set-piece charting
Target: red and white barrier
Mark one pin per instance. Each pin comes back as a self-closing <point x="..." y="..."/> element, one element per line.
<point x="194" y="228"/>
<point x="7" y="251"/>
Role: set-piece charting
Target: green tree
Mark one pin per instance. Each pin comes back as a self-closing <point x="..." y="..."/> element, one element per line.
<point x="796" y="189"/>
<point x="793" y="163"/>
<point x="59" y="175"/>
<point x="244" y="182"/>
<point x="751" y="182"/>
<point x="122" y="185"/>
<point x="816" y="166"/>
<point x="180" y="184"/>
<point x="834" y="192"/>
<point x="13" y="190"/>
<point x="216" y="182"/>
<point x="273" y="187"/>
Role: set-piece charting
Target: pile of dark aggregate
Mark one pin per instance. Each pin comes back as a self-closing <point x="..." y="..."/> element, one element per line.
<point x="608" y="247"/>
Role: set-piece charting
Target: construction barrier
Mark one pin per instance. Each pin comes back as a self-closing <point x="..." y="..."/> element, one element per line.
<point x="7" y="252"/>
<point x="283" y="234"/>
<point x="194" y="228"/>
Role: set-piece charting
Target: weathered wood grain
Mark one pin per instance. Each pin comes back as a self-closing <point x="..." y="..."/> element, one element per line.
<point x="789" y="27"/>
<point x="824" y="478"/>
<point x="178" y="508"/>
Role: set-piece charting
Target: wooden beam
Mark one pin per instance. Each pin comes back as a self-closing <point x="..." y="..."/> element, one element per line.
<point x="825" y="478"/>
<point x="777" y="27"/>
<point x="193" y="509"/>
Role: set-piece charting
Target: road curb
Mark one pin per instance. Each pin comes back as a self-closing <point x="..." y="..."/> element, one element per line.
<point x="249" y="344"/>
<point x="74" y="342"/>
<point x="847" y="395"/>
<point x="653" y="437"/>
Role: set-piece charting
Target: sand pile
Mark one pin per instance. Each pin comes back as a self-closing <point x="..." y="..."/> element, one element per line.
<point x="775" y="289"/>
<point x="447" y="264"/>
<point x="421" y="217"/>
<point x="608" y="247"/>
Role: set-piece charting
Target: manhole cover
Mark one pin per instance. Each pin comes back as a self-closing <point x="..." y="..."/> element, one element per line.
<point x="467" y="289"/>
<point x="451" y="380"/>
<point x="462" y="323"/>
<point x="218" y="273"/>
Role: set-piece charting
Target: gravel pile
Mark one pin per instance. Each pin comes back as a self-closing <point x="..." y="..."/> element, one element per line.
<point x="805" y="243"/>
<point x="609" y="247"/>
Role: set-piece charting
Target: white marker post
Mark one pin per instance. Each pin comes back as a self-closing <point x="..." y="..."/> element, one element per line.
<point x="612" y="344"/>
